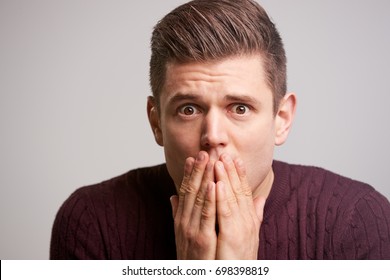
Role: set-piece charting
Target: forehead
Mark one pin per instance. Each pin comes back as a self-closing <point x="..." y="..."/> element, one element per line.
<point x="242" y="74"/>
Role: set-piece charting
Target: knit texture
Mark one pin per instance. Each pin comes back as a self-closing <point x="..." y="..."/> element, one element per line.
<point x="310" y="213"/>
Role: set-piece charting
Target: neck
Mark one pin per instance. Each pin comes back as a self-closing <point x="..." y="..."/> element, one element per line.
<point x="264" y="188"/>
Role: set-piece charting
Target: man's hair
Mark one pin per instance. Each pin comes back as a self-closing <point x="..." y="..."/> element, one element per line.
<point x="206" y="30"/>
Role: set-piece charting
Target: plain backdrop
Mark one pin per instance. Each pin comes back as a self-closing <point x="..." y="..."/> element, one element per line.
<point x="74" y="82"/>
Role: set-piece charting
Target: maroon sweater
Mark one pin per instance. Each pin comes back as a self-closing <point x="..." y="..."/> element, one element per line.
<point x="310" y="213"/>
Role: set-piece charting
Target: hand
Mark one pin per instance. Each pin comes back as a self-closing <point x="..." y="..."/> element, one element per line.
<point x="239" y="216"/>
<point x="194" y="210"/>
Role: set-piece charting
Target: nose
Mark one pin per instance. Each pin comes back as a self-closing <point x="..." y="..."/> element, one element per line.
<point x="214" y="131"/>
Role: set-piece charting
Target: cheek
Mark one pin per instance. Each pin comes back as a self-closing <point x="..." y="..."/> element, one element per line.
<point x="179" y="144"/>
<point x="255" y="139"/>
<point x="184" y="141"/>
<point x="256" y="150"/>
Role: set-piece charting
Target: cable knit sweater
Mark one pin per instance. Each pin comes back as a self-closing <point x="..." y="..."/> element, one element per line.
<point x="310" y="213"/>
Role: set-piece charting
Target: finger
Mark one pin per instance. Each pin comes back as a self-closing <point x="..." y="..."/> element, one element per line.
<point x="193" y="173"/>
<point x="222" y="176"/>
<point x="190" y="187"/>
<point x="188" y="166"/>
<point x="208" y="176"/>
<point x="208" y="216"/>
<point x="245" y="188"/>
<point x="224" y="211"/>
<point x="259" y="203"/>
<point x="241" y="173"/>
<point x="239" y="188"/>
<point x="238" y="182"/>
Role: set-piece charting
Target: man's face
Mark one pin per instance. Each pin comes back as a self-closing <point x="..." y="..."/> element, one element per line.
<point x="219" y="107"/>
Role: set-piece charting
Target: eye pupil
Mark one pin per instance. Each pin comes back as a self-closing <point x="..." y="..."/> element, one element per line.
<point x="240" y="109"/>
<point x="189" y="110"/>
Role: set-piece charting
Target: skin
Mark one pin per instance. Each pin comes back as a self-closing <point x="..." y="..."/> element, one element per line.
<point x="218" y="130"/>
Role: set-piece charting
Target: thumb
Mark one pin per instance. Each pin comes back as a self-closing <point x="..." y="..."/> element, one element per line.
<point x="174" y="204"/>
<point x="259" y="203"/>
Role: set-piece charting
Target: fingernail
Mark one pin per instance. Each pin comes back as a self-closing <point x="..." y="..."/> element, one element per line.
<point x="226" y="158"/>
<point x="188" y="166"/>
<point x="239" y="162"/>
<point x="200" y="157"/>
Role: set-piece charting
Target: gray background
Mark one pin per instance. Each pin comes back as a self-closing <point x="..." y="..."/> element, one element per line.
<point x="74" y="82"/>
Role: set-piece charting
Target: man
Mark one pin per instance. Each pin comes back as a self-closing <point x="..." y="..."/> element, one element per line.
<point x="219" y="106"/>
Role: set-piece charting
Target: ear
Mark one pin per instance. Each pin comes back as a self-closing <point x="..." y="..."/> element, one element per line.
<point x="154" y="120"/>
<point x="284" y="118"/>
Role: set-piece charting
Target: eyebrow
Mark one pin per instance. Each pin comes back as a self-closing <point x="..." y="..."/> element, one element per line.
<point x="239" y="98"/>
<point x="182" y="96"/>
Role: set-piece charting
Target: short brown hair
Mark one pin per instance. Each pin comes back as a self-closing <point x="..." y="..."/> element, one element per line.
<point x="203" y="30"/>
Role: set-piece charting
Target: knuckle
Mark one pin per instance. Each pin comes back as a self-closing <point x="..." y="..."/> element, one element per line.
<point x="243" y="191"/>
<point x="180" y="224"/>
<point x="246" y="190"/>
<point x="198" y="169"/>
<point x="188" y="234"/>
<point x="207" y="214"/>
<point x="201" y="241"/>
<point x="199" y="201"/>
<point x="187" y="188"/>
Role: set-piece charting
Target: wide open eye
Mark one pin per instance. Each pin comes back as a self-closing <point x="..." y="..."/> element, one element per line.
<point x="188" y="110"/>
<point x="240" y="109"/>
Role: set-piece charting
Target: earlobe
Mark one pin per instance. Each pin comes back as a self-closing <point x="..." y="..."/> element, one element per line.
<point x="284" y="118"/>
<point x="154" y="120"/>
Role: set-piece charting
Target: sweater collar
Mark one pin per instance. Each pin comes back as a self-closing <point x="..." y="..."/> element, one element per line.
<point x="280" y="191"/>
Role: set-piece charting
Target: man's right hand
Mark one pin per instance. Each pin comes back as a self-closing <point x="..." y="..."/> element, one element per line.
<point x="194" y="210"/>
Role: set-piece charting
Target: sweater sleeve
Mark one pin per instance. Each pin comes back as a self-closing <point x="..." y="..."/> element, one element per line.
<point x="75" y="233"/>
<point x="367" y="232"/>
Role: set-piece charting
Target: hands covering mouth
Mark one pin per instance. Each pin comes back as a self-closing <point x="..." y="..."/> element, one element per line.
<point x="210" y="192"/>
